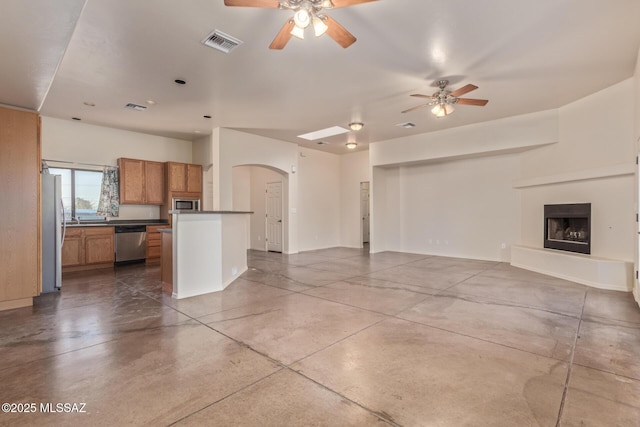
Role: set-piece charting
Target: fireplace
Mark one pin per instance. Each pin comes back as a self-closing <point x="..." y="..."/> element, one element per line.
<point x="568" y="227"/>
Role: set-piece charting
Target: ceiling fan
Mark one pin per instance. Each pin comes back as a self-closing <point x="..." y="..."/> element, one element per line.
<point x="443" y="100"/>
<point x="306" y="13"/>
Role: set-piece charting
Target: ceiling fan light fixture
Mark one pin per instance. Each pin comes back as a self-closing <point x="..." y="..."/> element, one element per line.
<point x="319" y="27"/>
<point x="326" y="4"/>
<point x="351" y="145"/>
<point x="297" y="32"/>
<point x="302" y="18"/>
<point x="442" y="110"/>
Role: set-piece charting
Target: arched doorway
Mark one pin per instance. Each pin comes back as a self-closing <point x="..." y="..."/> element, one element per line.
<point x="264" y="191"/>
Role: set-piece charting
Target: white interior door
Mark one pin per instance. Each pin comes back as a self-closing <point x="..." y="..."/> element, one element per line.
<point x="274" y="216"/>
<point x="364" y="210"/>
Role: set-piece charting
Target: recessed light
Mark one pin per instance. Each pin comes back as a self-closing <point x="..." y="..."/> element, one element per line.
<point x="207" y="116"/>
<point x="76" y="118"/>
<point x="89" y="104"/>
<point x="150" y="102"/>
<point x="180" y="82"/>
<point x="196" y="131"/>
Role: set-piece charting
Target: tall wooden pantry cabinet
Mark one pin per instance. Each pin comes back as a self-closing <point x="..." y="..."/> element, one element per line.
<point x="20" y="257"/>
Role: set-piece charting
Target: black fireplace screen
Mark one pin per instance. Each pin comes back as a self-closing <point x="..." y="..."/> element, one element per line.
<point x="568" y="227"/>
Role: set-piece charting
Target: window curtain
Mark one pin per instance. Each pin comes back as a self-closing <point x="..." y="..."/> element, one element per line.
<point x="109" y="204"/>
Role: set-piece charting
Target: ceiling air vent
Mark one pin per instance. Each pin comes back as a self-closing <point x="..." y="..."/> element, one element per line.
<point x="221" y="41"/>
<point x="135" y="107"/>
<point x="407" y="125"/>
<point x="322" y="143"/>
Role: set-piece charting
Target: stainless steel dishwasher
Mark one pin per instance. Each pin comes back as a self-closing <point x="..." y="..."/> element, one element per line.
<point x="131" y="243"/>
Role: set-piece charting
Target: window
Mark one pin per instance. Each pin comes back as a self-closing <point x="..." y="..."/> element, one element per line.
<point x="80" y="192"/>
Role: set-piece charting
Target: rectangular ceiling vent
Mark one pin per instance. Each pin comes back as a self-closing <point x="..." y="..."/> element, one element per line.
<point x="136" y="107"/>
<point x="322" y="143"/>
<point x="221" y="41"/>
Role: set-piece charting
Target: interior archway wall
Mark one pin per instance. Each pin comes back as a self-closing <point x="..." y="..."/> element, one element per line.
<point x="248" y="194"/>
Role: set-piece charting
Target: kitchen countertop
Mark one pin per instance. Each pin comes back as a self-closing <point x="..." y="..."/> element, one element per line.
<point x="116" y="222"/>
<point x="208" y="212"/>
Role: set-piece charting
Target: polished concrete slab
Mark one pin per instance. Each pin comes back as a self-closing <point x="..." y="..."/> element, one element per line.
<point x="329" y="337"/>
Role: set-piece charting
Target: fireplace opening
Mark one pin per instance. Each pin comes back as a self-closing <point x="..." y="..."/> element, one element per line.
<point x="568" y="227"/>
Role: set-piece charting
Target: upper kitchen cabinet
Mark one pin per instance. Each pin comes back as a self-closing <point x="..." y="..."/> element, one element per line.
<point x="141" y="182"/>
<point x="20" y="274"/>
<point x="184" y="178"/>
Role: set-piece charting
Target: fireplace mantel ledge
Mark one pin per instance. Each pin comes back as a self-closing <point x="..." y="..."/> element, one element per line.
<point x="588" y="270"/>
<point x="604" y="172"/>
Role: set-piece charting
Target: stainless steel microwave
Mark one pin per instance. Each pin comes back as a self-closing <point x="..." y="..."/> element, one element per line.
<point x="185" y="204"/>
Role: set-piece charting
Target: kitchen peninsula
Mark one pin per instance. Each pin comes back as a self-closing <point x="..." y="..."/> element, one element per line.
<point x="208" y="250"/>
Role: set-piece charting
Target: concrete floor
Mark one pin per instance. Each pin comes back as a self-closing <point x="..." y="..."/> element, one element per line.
<point x="330" y="337"/>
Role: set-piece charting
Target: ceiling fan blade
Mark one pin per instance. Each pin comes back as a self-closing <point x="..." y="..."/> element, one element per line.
<point x="417" y="95"/>
<point x="344" y="3"/>
<point x="469" y="101"/>
<point x="337" y="32"/>
<point x="283" y="36"/>
<point x="415" y="108"/>
<point x="253" y="3"/>
<point x="464" y="89"/>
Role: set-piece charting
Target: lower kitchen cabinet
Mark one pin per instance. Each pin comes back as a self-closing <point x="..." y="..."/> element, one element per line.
<point x="87" y="248"/>
<point x="153" y="242"/>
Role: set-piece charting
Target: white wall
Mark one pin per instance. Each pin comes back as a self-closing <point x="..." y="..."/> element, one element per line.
<point x="464" y="208"/>
<point x="591" y="138"/>
<point x="354" y="170"/>
<point x="454" y="171"/>
<point x="231" y="148"/>
<point x="319" y="187"/>
<point x="249" y="185"/>
<point x="84" y="143"/>
<point x="636" y="80"/>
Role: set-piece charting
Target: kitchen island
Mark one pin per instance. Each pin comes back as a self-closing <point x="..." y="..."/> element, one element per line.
<point x="209" y="250"/>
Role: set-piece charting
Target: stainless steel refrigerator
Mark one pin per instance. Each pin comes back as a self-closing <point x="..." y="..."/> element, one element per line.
<point x="53" y="228"/>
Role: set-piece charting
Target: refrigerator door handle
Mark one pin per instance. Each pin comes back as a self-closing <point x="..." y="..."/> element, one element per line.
<point x="64" y="222"/>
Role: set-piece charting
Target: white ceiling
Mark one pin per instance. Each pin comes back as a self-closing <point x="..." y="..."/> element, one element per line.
<point x="525" y="56"/>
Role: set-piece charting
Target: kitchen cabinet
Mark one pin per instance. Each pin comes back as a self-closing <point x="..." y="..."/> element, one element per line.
<point x="154" y="183"/>
<point x="88" y="248"/>
<point x="99" y="245"/>
<point x="20" y="242"/>
<point x="194" y="178"/>
<point x="184" y="178"/>
<point x="166" y="263"/>
<point x="154" y="242"/>
<point x="73" y="247"/>
<point x="141" y="182"/>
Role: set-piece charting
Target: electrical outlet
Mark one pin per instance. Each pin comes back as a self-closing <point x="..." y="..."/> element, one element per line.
<point x="503" y="246"/>
<point x="234" y="271"/>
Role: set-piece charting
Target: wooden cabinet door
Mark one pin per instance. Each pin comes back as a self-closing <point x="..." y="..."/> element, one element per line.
<point x="194" y="178"/>
<point x="177" y="176"/>
<point x="154" y="183"/>
<point x="73" y="247"/>
<point x="131" y="181"/>
<point x="20" y="223"/>
<point x="99" y="245"/>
